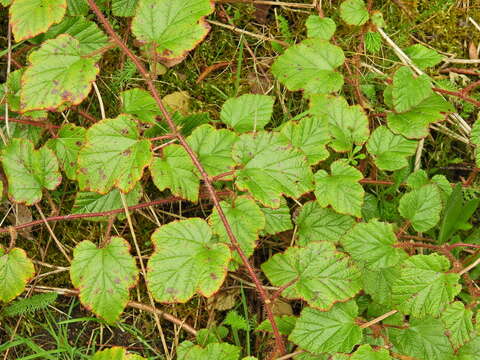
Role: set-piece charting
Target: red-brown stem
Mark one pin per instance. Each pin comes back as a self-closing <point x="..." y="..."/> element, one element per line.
<point x="164" y="137"/>
<point x="452" y="246"/>
<point x="168" y="200"/>
<point x="461" y="71"/>
<point x="470" y="87"/>
<point x="32" y="122"/>
<point x="221" y="176"/>
<point x="458" y="94"/>
<point x="262" y="293"/>
<point x="84" y="114"/>
<point x="402" y="230"/>
<point x="277" y="293"/>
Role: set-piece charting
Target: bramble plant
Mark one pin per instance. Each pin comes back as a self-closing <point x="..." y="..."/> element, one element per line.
<point x="329" y="210"/>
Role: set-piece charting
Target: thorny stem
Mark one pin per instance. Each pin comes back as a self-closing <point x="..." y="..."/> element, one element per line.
<point x="32" y="122"/>
<point x="280" y="346"/>
<point x="167" y="200"/>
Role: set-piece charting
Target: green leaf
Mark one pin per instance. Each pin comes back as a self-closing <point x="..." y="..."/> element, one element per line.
<point x="249" y="112"/>
<point x="373" y="244"/>
<point x="322" y="28"/>
<point x="422" y="207"/>
<point x="269" y="168"/>
<point x="88" y="34"/>
<point x="458" y="321"/>
<point x="174" y="170"/>
<point x="316" y="223"/>
<point x="424" y="339"/>
<point x="414" y="123"/>
<point x="341" y="189"/>
<point x="66" y="146"/>
<point x="424" y="287"/>
<point x="348" y="125"/>
<point x="365" y="352"/>
<point x="77" y="7"/>
<point x="236" y="321"/>
<point x="16" y="269"/>
<point x="470" y="351"/>
<point x="140" y="104"/>
<point x="408" y="91"/>
<point x="310" y="136"/>
<point x="25" y="132"/>
<point x="115" y="353"/>
<point x="422" y="56"/>
<point x="390" y="151"/>
<point x="354" y="12"/>
<point x="29" y="171"/>
<point x="173" y="27"/>
<point x="104" y="276"/>
<point x="12" y="96"/>
<point x="58" y="73"/>
<point x="188" y="351"/>
<point x="475" y="139"/>
<point x="456" y="215"/>
<point x="114" y="155"/>
<point x="378" y="283"/>
<point x="90" y="202"/>
<point x="328" y="332"/>
<point x="213" y="148"/>
<point x="124" y="7"/>
<point x="277" y="220"/>
<point x="186" y="260"/>
<point x="373" y="44"/>
<point x="32" y="17"/>
<point x="285" y="324"/>
<point x="310" y="66"/>
<point x="316" y="273"/>
<point x="246" y="220"/>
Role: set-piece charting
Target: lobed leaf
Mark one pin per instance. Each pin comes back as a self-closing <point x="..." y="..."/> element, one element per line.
<point x="390" y="151"/>
<point x="328" y="331"/>
<point x="423" y="339"/>
<point x="174" y="170"/>
<point x="373" y="244"/>
<point x="277" y="220"/>
<point x="424" y="286"/>
<point x="16" y="269"/>
<point x="365" y="352"/>
<point x="315" y="223"/>
<point x="320" y="27"/>
<point x="59" y="72"/>
<point x="213" y="148"/>
<point x="458" y="320"/>
<point x="269" y="167"/>
<point x="310" y="136"/>
<point x="249" y="112"/>
<point x="29" y="171"/>
<point x="90" y="202"/>
<point x="341" y="189"/>
<point x="246" y="220"/>
<point x="172" y="27"/>
<point x="104" y="276"/>
<point x="114" y="155"/>
<point x="316" y="273"/>
<point x="422" y="207"/>
<point x="66" y="146"/>
<point x="32" y="17"/>
<point x="310" y="66"/>
<point x="347" y="125"/>
<point x="189" y="351"/>
<point x="354" y="12"/>
<point x="124" y="7"/>
<point x="422" y="56"/>
<point x="115" y="353"/>
<point x="186" y="260"/>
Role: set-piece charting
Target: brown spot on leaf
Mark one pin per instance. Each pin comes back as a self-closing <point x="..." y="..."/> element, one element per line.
<point x="213" y="276"/>
<point x="127" y="152"/>
<point x="172" y="291"/>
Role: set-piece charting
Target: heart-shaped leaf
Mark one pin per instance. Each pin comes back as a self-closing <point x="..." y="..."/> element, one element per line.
<point x="15" y="271"/>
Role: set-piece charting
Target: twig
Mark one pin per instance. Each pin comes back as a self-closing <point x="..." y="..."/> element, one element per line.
<point x="378" y="319"/>
<point x="240" y="31"/>
<point x="52" y="234"/>
<point x="470" y="267"/>
<point x="458" y="94"/>
<point x="100" y="100"/>
<point x="280" y="345"/>
<point x="291" y="355"/>
<point x="168" y="200"/>
<point x="144" y="273"/>
<point x="32" y="122"/>
<point x="132" y="304"/>
<point x="266" y="2"/>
